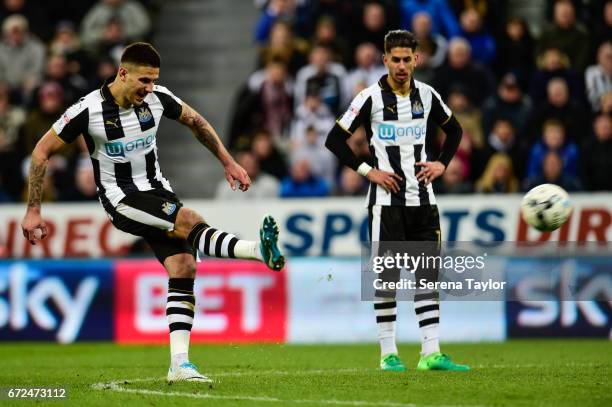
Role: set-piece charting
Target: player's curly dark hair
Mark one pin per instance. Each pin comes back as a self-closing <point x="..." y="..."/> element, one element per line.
<point x="400" y="38"/>
<point x="141" y="53"/>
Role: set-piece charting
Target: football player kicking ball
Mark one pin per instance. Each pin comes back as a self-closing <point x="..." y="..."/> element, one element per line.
<point x="401" y="203"/>
<point x="119" y="123"/>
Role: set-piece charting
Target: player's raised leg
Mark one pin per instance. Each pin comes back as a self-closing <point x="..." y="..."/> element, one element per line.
<point x="180" y="308"/>
<point x="214" y="242"/>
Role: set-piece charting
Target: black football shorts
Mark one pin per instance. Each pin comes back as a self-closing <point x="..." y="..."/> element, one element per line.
<point x="151" y="215"/>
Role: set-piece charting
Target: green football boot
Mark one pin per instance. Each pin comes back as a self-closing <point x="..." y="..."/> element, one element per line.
<point x="440" y="361"/>
<point x="268" y="245"/>
<point x="392" y="363"/>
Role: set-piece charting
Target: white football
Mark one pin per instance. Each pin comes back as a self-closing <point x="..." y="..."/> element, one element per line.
<point x="546" y="207"/>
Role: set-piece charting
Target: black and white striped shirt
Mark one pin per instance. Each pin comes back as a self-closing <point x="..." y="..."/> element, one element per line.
<point x="396" y="127"/>
<point x="121" y="142"/>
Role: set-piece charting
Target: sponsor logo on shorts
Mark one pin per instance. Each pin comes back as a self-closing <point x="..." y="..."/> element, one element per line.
<point x="168" y="208"/>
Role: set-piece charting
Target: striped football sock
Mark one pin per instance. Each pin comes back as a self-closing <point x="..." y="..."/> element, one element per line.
<point x="427" y="309"/>
<point x="179" y="311"/>
<point x="216" y="243"/>
<point x="385" y="309"/>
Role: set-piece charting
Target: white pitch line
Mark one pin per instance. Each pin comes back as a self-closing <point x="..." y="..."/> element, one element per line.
<point x="114" y="386"/>
<point x="117" y="386"/>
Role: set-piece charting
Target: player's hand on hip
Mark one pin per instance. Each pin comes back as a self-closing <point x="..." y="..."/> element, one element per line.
<point x="237" y="176"/>
<point x="389" y="181"/>
<point x="33" y="227"/>
<point x="430" y="170"/>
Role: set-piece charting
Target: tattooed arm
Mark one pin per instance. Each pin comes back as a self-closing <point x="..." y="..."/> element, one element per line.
<point x="208" y="137"/>
<point x="32" y="220"/>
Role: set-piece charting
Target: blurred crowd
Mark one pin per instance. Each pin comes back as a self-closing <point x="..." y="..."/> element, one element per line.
<point x="534" y="108"/>
<point x="51" y="54"/>
<point x="534" y="100"/>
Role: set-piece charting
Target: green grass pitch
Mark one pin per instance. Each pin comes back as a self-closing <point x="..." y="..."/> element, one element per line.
<point x="516" y="373"/>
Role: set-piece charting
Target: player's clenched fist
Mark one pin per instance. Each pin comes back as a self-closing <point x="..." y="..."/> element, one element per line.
<point x="235" y="174"/>
<point x="33" y="227"/>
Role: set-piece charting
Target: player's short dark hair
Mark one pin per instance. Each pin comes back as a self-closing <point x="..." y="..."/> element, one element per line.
<point x="401" y="39"/>
<point x="141" y="53"/>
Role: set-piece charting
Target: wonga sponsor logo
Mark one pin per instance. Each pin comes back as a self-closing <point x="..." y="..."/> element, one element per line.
<point x="237" y="301"/>
<point x="118" y="148"/>
<point x="393" y="132"/>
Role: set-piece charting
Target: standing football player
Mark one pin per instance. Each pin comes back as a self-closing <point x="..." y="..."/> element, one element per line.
<point x="401" y="203"/>
<point x="119" y="123"/>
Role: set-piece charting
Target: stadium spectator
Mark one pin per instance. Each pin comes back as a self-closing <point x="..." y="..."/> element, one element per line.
<point x="369" y="68"/>
<point x="48" y="109"/>
<point x="424" y="72"/>
<point x="302" y="183"/>
<point x="322" y="162"/>
<point x="84" y="188"/>
<point x="553" y="139"/>
<point x="481" y="41"/>
<point x="325" y="34"/>
<point x="351" y="184"/>
<point x="491" y="12"/>
<point x="374" y="25"/>
<point x="270" y="160"/>
<point x="113" y="41"/>
<point x="66" y="42"/>
<point x="264" y="102"/>
<point x="515" y="49"/>
<point x="443" y="20"/>
<point x="74" y="85"/>
<point x="343" y="12"/>
<point x="596" y="163"/>
<point x="105" y="69"/>
<point x="435" y="45"/>
<point x="459" y="70"/>
<point x="554" y="64"/>
<point x="38" y="22"/>
<point x="598" y="78"/>
<point x="311" y="114"/>
<point x="501" y="139"/>
<point x="325" y="77"/>
<point x="601" y="27"/>
<point x="11" y="120"/>
<point x="552" y="173"/>
<point x="498" y="176"/>
<point x="131" y="17"/>
<point x="22" y="56"/>
<point x="606" y="103"/>
<point x="509" y="103"/>
<point x="282" y="10"/>
<point x="567" y="35"/>
<point x="284" y="46"/>
<point x="453" y="181"/>
<point x="262" y="186"/>
<point x="469" y="116"/>
<point x="558" y="106"/>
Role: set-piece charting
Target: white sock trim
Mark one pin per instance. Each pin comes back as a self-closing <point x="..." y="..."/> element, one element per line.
<point x="247" y="249"/>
